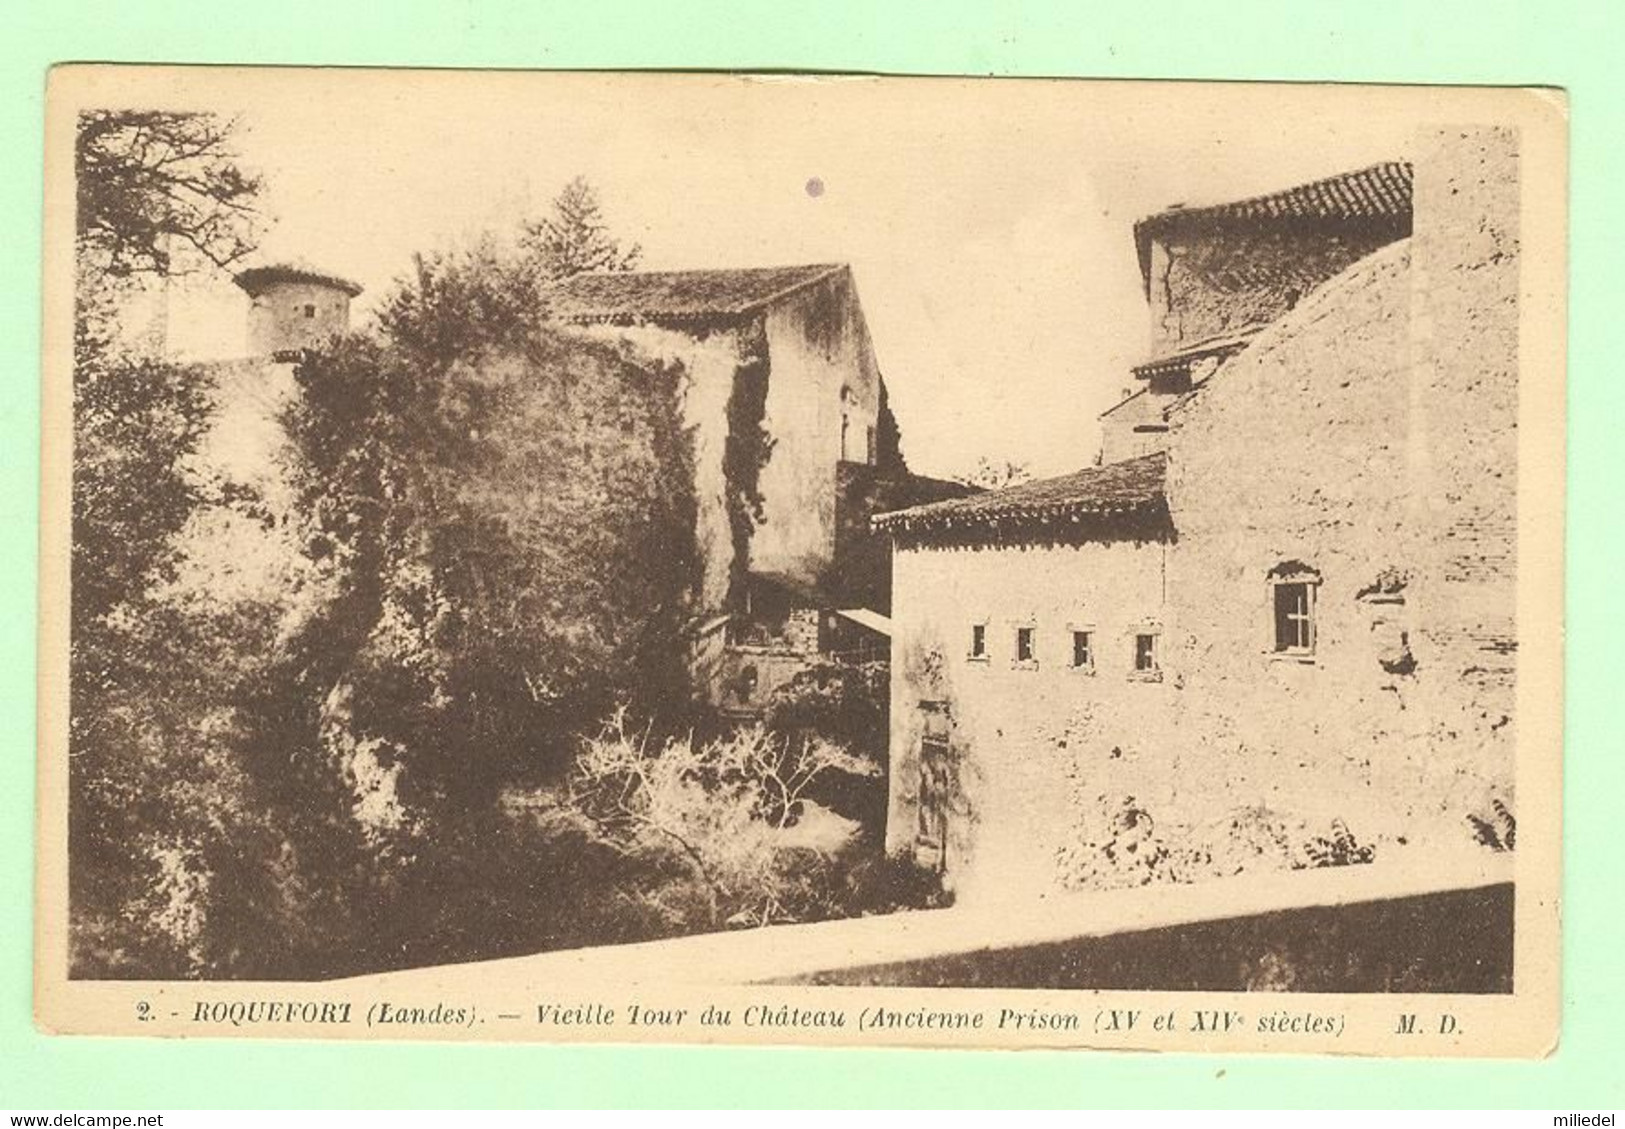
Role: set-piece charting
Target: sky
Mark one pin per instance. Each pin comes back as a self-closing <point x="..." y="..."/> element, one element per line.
<point x="988" y="223"/>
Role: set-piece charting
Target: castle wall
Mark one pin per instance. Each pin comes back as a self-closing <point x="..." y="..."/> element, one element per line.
<point x="1294" y="458"/>
<point x="1370" y="435"/>
<point x="1464" y="386"/>
<point x="1120" y="441"/>
<point x="1121" y="434"/>
<point x="814" y="349"/>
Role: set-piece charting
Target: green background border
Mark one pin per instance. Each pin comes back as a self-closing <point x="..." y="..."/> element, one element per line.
<point x="1574" y="44"/>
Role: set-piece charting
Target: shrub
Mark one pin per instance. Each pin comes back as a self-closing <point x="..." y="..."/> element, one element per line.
<point x="840" y="701"/>
<point x="847" y="704"/>
<point x="1115" y="845"/>
<point x="878" y="883"/>
<point x="508" y="512"/>
<point x="733" y="811"/>
<point x="1119" y="844"/>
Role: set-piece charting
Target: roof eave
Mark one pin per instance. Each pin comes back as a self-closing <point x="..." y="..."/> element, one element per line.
<point x="625" y="316"/>
<point x="1147" y="520"/>
<point x="255" y="280"/>
<point x="666" y="317"/>
<point x="1233" y="212"/>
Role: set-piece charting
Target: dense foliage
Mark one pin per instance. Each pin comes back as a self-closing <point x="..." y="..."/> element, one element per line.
<point x="164" y="824"/>
<point x="510" y="511"/>
<point x="482" y="544"/>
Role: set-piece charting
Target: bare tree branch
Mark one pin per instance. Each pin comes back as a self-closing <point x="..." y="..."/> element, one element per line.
<point x="162" y="192"/>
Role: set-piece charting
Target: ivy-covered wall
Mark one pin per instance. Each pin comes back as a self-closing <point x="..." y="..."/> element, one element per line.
<point x="710" y="362"/>
<point x="770" y="399"/>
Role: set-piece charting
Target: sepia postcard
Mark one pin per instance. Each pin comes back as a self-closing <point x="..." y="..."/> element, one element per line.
<point x="787" y="559"/>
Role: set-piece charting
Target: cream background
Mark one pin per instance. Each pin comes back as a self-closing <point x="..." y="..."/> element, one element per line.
<point x="967" y="401"/>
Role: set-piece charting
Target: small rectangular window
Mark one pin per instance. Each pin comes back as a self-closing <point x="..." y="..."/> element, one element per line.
<point x="1145" y="653"/>
<point x="1295" y="617"/>
<point x="1083" y="650"/>
<point x="310" y="311"/>
<point x="978" y="641"/>
<point x="1024" y="645"/>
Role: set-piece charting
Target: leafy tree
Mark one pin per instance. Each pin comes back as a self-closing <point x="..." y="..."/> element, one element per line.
<point x="137" y="423"/>
<point x="147" y="183"/>
<point x="151" y="182"/>
<point x="456" y="305"/>
<point x="509" y="513"/>
<point x="845" y="702"/>
<point x="168" y="836"/>
<point x="575" y="238"/>
<point x="889" y="438"/>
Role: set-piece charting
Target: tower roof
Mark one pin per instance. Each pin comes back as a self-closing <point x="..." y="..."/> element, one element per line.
<point x="1378" y="197"/>
<point x="256" y="280"/>
<point x="677" y="295"/>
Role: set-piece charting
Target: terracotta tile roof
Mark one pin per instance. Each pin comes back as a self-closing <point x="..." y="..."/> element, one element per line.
<point x="1126" y="497"/>
<point x="256" y="279"/>
<point x="1379" y="196"/>
<point x="624" y="296"/>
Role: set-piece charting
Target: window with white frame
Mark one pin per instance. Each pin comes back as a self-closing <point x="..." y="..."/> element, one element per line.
<point x="1145" y="653"/>
<point x="1083" y="649"/>
<point x="1295" y="618"/>
<point x="1293" y="590"/>
<point x="1026" y="645"/>
<point x="978" y="642"/>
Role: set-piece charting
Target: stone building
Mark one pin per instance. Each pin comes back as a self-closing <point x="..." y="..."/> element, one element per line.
<point x="1214" y="276"/>
<point x="294" y="307"/>
<point x="794" y="448"/>
<point x="291" y="308"/>
<point x="255" y="552"/>
<point x="1276" y="627"/>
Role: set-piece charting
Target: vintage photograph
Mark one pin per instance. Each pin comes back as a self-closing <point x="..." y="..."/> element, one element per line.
<point x="526" y="535"/>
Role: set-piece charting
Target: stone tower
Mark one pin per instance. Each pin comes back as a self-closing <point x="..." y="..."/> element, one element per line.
<point x="294" y="307"/>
